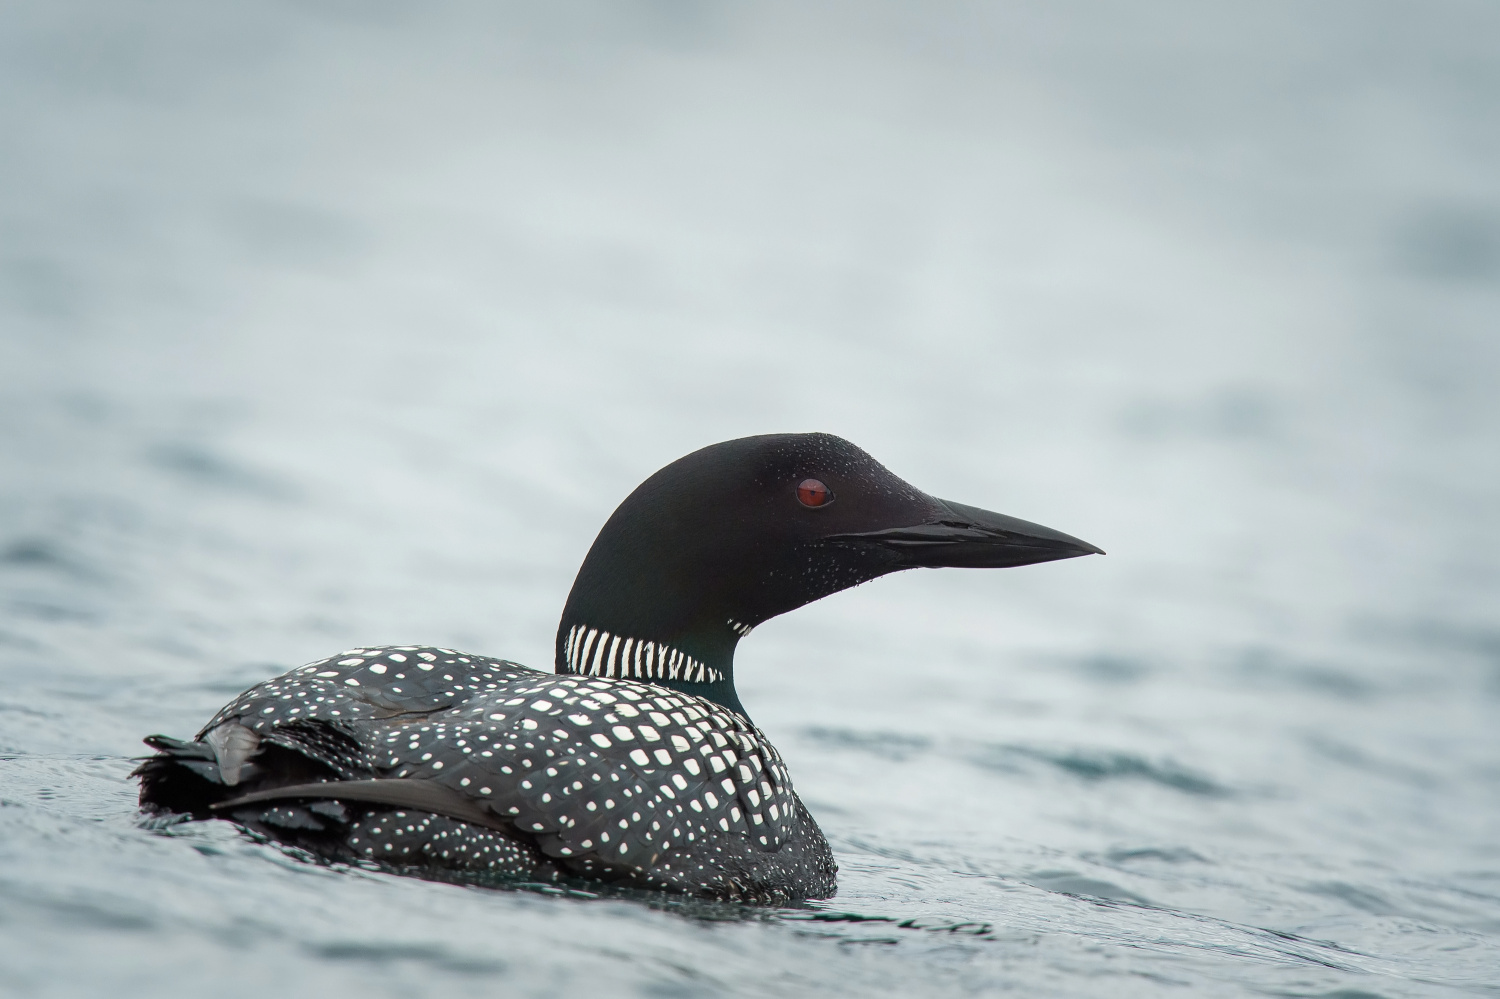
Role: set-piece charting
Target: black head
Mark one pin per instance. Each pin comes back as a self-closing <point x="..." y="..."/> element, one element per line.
<point x="739" y="532"/>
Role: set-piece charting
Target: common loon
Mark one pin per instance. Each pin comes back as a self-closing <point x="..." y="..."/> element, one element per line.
<point x="635" y="763"/>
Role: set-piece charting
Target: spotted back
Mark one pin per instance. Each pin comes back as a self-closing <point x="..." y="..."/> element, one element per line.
<point x="601" y="772"/>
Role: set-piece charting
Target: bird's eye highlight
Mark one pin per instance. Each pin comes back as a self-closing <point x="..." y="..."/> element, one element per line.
<point x="811" y="492"/>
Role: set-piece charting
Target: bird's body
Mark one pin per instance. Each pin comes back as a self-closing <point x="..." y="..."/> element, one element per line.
<point x="604" y="778"/>
<point x="635" y="763"/>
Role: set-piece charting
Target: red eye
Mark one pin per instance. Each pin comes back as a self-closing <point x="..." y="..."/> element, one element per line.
<point x="811" y="492"/>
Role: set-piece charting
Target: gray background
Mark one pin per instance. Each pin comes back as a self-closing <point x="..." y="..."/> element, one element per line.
<point x="327" y="324"/>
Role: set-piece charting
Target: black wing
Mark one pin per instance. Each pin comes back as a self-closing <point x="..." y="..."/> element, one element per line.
<point x="600" y="773"/>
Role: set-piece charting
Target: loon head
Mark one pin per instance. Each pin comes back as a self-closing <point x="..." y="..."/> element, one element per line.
<point x="736" y="533"/>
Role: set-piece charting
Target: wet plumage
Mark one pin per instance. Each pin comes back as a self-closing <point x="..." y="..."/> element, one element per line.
<point x="634" y="763"/>
<point x="607" y="779"/>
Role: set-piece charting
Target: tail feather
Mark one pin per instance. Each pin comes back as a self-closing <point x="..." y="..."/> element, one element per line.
<point x="181" y="777"/>
<point x="186" y="777"/>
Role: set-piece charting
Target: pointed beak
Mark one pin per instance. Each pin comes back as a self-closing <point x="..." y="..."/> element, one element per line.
<point x="966" y="536"/>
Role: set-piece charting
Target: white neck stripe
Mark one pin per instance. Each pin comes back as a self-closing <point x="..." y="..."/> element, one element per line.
<point x="593" y="652"/>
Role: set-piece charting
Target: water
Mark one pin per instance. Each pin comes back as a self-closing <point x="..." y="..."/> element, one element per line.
<point x="328" y="324"/>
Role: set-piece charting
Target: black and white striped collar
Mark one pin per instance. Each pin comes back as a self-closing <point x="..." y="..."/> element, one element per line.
<point x="595" y="652"/>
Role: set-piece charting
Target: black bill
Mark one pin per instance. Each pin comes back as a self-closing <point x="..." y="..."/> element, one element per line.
<point x="966" y="536"/>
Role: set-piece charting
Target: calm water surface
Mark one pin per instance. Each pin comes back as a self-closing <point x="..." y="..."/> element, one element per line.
<point x="325" y="324"/>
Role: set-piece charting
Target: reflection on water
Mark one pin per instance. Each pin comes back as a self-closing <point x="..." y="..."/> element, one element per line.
<point x="334" y="324"/>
